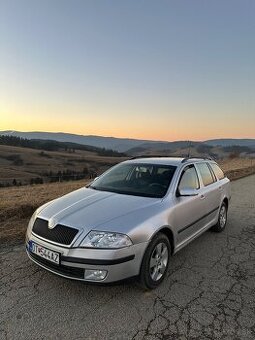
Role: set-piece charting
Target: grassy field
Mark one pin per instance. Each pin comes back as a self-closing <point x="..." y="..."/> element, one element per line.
<point x="18" y="203"/>
<point x="24" y="164"/>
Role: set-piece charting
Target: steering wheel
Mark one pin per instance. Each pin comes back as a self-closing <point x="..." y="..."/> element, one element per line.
<point x="156" y="185"/>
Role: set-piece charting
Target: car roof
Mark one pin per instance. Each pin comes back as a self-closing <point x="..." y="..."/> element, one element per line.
<point x="175" y="161"/>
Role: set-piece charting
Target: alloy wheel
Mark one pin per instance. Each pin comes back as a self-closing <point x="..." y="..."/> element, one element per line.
<point x="158" y="261"/>
<point x="223" y="216"/>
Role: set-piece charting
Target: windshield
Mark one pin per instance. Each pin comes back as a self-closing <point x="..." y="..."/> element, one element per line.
<point x="148" y="180"/>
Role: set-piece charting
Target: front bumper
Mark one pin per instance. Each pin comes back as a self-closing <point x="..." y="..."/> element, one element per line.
<point x="119" y="263"/>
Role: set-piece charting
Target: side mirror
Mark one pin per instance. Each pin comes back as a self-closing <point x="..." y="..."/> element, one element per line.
<point x="187" y="192"/>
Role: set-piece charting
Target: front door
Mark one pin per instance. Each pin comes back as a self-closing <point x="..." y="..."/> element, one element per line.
<point x="187" y="216"/>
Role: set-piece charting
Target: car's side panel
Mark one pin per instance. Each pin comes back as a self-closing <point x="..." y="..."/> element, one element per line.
<point x="212" y="197"/>
<point x="224" y="186"/>
<point x="225" y="189"/>
<point x="187" y="216"/>
<point x="181" y="245"/>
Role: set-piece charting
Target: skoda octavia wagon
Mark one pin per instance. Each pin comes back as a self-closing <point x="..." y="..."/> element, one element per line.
<point x="130" y="220"/>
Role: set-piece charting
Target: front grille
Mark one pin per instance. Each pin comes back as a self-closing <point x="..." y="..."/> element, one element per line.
<point x="59" y="234"/>
<point x="74" y="272"/>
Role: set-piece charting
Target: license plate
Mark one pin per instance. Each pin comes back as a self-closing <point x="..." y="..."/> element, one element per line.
<point x="43" y="252"/>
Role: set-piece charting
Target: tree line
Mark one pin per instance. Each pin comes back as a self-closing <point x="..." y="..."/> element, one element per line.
<point x="51" y="145"/>
<point x="51" y="177"/>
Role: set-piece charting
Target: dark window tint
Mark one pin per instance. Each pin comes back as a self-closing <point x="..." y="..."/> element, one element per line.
<point x="217" y="170"/>
<point x="205" y="173"/>
<point x="189" y="179"/>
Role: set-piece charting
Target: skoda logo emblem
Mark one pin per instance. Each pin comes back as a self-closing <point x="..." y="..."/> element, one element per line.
<point x="52" y="223"/>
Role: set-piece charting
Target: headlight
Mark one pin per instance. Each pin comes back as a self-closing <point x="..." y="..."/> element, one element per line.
<point x="103" y="239"/>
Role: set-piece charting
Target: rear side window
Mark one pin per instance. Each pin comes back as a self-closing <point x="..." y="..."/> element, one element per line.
<point x="217" y="171"/>
<point x="205" y="173"/>
<point x="189" y="178"/>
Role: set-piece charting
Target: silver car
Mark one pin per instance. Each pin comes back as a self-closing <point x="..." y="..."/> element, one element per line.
<point x="130" y="220"/>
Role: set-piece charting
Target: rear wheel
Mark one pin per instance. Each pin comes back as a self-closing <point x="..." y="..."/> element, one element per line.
<point x="222" y="219"/>
<point x="155" y="262"/>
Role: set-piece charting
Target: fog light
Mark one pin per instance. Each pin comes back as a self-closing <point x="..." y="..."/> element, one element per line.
<point x="95" y="274"/>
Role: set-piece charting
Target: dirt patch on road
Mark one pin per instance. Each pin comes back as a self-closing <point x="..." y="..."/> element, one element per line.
<point x="239" y="173"/>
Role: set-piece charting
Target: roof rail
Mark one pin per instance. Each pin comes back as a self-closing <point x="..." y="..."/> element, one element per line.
<point x="149" y="156"/>
<point x="204" y="158"/>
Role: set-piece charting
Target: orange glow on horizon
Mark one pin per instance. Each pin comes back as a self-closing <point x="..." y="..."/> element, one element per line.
<point x="150" y="127"/>
<point x="120" y="133"/>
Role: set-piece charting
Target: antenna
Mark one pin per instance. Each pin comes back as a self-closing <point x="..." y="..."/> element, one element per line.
<point x="188" y="156"/>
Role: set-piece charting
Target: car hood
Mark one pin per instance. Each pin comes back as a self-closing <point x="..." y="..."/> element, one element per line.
<point x="89" y="209"/>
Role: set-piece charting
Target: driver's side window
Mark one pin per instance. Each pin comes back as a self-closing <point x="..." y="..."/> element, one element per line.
<point x="189" y="179"/>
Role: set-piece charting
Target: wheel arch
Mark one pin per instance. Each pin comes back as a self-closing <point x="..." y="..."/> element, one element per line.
<point x="226" y="201"/>
<point x="169" y="233"/>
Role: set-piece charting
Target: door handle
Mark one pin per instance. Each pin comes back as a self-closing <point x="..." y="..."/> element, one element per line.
<point x="202" y="197"/>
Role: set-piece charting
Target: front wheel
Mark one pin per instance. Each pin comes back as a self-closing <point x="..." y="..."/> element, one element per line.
<point x="222" y="219"/>
<point x="155" y="262"/>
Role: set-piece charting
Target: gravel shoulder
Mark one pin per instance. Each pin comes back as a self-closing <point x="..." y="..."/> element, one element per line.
<point x="209" y="292"/>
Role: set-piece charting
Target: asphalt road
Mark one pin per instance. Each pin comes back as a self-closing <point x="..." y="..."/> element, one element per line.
<point x="209" y="292"/>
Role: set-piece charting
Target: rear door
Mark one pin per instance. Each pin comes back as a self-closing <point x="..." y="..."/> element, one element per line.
<point x="211" y="190"/>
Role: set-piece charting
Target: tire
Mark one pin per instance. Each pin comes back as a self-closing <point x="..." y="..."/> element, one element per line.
<point x="222" y="219"/>
<point x="155" y="262"/>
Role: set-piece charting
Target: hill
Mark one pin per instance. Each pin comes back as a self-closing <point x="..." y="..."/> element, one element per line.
<point x="124" y="144"/>
<point x="118" y="144"/>
<point x="53" y="145"/>
<point x="24" y="165"/>
<point x="231" y="142"/>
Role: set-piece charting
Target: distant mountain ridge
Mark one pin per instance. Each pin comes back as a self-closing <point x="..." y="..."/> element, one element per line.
<point x="118" y="144"/>
<point x="231" y="142"/>
<point x="124" y="144"/>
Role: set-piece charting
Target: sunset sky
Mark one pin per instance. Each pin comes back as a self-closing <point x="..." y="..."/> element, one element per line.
<point x="164" y="70"/>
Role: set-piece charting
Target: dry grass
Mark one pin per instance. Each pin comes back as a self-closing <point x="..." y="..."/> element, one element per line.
<point x="238" y="167"/>
<point x="236" y="163"/>
<point x="18" y="203"/>
<point x="33" y="164"/>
